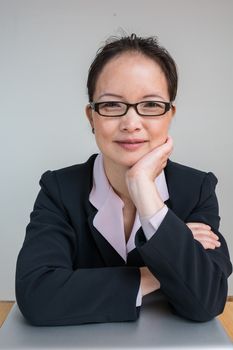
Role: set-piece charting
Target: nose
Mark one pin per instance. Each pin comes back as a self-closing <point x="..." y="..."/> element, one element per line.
<point x="131" y="121"/>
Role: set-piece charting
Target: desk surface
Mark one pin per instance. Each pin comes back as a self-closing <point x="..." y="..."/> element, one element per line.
<point x="156" y="328"/>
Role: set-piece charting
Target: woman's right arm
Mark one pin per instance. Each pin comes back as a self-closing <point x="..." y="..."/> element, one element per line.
<point x="49" y="291"/>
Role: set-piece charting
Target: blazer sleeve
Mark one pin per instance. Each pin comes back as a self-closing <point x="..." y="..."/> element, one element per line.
<point x="193" y="279"/>
<point x="49" y="291"/>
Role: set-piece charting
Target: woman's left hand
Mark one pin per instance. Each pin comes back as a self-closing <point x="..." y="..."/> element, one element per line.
<point x="141" y="176"/>
<point x="203" y="234"/>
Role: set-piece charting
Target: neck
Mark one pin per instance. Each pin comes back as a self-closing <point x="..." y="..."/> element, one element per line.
<point x="116" y="177"/>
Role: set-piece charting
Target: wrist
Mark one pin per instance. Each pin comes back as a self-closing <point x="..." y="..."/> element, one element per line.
<point x="145" y="196"/>
<point x="138" y="176"/>
<point x="149" y="283"/>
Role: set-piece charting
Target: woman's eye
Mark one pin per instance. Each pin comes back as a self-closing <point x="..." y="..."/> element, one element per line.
<point x="151" y="104"/>
<point x="110" y="105"/>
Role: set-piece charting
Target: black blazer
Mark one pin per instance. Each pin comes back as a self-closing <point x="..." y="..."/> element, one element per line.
<point x="67" y="273"/>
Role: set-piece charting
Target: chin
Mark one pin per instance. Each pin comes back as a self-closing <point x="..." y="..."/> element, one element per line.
<point x="129" y="160"/>
<point x="124" y="158"/>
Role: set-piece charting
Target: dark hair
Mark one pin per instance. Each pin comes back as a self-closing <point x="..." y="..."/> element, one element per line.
<point x="148" y="46"/>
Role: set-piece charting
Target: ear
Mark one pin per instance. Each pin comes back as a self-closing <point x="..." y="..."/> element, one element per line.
<point x="173" y="110"/>
<point x="89" y="115"/>
<point x="171" y="115"/>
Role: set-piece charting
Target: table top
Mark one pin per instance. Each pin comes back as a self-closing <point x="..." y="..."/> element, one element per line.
<point x="157" y="327"/>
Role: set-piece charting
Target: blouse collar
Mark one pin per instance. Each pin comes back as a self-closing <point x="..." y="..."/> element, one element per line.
<point x="109" y="217"/>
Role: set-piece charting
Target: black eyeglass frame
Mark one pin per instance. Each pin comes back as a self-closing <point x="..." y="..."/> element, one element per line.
<point x="95" y="107"/>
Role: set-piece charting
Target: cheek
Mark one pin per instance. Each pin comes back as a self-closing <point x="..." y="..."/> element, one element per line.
<point x="160" y="128"/>
<point x="103" y="133"/>
<point x="105" y="128"/>
<point x="159" y="132"/>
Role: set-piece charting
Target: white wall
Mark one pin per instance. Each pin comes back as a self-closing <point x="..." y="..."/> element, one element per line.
<point x="46" y="48"/>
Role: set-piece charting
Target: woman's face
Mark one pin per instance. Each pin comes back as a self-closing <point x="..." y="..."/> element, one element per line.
<point x="131" y="78"/>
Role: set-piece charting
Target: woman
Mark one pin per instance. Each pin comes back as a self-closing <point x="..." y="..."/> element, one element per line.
<point x="129" y="221"/>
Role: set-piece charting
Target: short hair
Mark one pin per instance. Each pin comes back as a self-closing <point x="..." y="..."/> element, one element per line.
<point x="148" y="46"/>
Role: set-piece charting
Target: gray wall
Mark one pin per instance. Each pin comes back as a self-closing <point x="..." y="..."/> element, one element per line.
<point x="46" y="48"/>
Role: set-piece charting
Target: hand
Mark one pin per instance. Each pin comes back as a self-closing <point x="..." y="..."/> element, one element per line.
<point x="149" y="282"/>
<point x="203" y="234"/>
<point x="152" y="163"/>
<point x="140" y="179"/>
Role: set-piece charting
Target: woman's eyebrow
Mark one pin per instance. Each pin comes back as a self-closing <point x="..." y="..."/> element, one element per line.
<point x="110" y="94"/>
<point x="153" y="96"/>
<point x="119" y="96"/>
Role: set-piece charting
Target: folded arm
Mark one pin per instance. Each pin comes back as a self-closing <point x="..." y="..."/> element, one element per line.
<point x="193" y="278"/>
<point x="50" y="290"/>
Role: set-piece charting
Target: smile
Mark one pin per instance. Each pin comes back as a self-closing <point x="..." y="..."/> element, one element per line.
<point x="131" y="145"/>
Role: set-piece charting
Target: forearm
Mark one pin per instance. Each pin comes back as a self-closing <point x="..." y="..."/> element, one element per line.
<point x="64" y="297"/>
<point x="148" y="202"/>
<point x="193" y="279"/>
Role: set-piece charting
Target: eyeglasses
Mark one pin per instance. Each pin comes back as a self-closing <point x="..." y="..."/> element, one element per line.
<point x="118" y="109"/>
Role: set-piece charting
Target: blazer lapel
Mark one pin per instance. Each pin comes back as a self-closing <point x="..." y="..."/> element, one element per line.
<point x="108" y="253"/>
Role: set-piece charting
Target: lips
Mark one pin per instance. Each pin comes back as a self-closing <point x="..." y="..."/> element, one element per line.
<point x="131" y="141"/>
<point x="131" y="145"/>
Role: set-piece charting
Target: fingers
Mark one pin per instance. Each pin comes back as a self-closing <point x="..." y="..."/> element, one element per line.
<point x="207" y="233"/>
<point x="152" y="163"/>
<point x="202" y="238"/>
<point x="167" y="147"/>
<point x="203" y="234"/>
<point x="198" y="225"/>
<point x="169" y="141"/>
<point x="208" y="244"/>
<point x="164" y="151"/>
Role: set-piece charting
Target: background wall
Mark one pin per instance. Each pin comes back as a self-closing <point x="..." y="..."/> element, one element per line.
<point x="46" y="48"/>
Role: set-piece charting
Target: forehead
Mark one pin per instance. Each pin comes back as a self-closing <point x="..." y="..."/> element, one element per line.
<point x="131" y="71"/>
<point x="130" y="60"/>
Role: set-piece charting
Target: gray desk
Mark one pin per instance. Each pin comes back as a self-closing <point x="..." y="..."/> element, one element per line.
<point x="156" y="328"/>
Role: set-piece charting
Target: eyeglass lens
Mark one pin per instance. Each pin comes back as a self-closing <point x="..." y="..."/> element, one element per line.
<point x="113" y="108"/>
